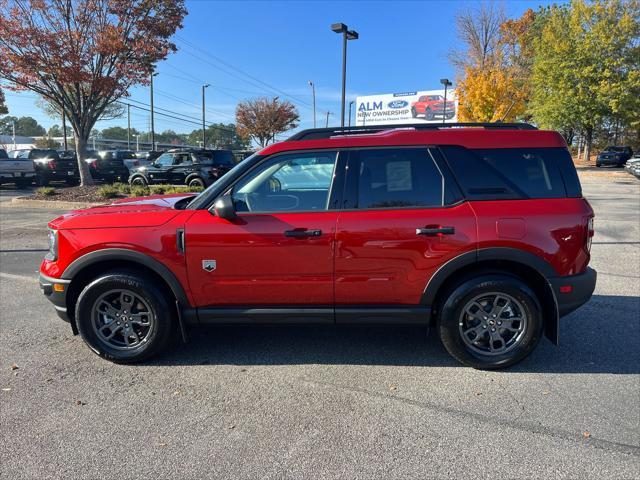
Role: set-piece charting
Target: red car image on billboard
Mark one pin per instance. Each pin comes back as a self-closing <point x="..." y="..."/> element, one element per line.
<point x="433" y="107"/>
<point x="407" y="107"/>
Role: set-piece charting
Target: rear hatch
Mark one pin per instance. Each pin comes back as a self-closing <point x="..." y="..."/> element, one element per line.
<point x="107" y="162"/>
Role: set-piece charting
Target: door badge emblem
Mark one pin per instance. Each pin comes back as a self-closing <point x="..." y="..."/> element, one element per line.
<point x="209" y="265"/>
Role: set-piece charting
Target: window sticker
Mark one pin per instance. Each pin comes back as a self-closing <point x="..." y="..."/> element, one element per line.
<point x="399" y="176"/>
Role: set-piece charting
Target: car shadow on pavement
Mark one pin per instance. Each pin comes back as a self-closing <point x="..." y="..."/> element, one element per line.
<point x="601" y="337"/>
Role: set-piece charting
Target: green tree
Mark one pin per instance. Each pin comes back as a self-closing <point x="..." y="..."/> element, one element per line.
<point x="117" y="133"/>
<point x="3" y="106"/>
<point x="586" y="68"/>
<point x="219" y="135"/>
<point x="25" y="126"/>
<point x="55" y="131"/>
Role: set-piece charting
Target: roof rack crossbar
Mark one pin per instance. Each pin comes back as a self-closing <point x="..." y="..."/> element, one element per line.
<point x="320" y="133"/>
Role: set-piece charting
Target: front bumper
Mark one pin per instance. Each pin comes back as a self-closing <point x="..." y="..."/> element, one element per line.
<point x="573" y="291"/>
<point x="58" y="298"/>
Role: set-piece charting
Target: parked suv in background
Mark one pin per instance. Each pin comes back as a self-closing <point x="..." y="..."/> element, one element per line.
<point x="432" y="107"/>
<point x="480" y="232"/>
<point x="193" y="167"/>
<point x="614" y="156"/>
<point x="49" y="167"/>
<point x="16" y="170"/>
<point x="109" y="165"/>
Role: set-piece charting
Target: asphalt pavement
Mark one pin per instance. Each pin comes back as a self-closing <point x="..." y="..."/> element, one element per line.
<point x="275" y="402"/>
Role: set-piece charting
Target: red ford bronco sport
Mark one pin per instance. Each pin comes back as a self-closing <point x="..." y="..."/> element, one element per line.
<point x="479" y="230"/>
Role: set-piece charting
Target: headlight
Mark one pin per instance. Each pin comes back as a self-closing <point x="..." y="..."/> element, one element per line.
<point x="53" y="246"/>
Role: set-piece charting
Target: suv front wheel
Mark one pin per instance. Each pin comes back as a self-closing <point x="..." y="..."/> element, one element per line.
<point x="123" y="317"/>
<point x="491" y="321"/>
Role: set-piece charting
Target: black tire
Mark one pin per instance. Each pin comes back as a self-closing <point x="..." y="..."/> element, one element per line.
<point x="41" y="180"/>
<point x="72" y="182"/>
<point x="196" y="182"/>
<point x="451" y="321"/>
<point x="428" y="114"/>
<point x="161" y="316"/>
<point x="22" y="183"/>
<point x="414" y="114"/>
<point x="598" y="165"/>
<point x="141" y="181"/>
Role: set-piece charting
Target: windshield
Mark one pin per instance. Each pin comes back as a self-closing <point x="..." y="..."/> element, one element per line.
<point x="614" y="149"/>
<point x="50" y="154"/>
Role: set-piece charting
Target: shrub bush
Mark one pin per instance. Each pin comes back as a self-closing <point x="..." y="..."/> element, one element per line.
<point x="108" y="191"/>
<point x="139" y="191"/>
<point x="46" y="191"/>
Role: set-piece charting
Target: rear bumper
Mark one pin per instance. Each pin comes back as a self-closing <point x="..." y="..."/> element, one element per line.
<point x="573" y="291"/>
<point x="17" y="175"/>
<point x="59" y="299"/>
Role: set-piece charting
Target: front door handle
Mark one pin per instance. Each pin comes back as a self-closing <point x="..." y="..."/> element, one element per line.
<point x="434" y="231"/>
<point x="302" y="233"/>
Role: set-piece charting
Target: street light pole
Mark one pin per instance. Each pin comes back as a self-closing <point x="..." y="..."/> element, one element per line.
<point x="346" y="35"/>
<point x="327" y="124"/>
<point x="350" y="103"/>
<point x="204" y="132"/>
<point x="446" y="83"/>
<point x="128" y="127"/>
<point x="153" y="133"/>
<point x="14" y="134"/>
<point x="313" y="93"/>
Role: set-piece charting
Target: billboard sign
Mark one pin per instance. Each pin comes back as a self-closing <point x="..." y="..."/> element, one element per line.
<point x="427" y="106"/>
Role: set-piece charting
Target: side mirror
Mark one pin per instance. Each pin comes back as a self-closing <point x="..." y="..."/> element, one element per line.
<point x="224" y="208"/>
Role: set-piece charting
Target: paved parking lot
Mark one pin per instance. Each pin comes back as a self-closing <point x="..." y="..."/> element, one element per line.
<point x="322" y="402"/>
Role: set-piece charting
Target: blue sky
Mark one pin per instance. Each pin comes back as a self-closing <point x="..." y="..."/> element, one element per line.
<point x="282" y="45"/>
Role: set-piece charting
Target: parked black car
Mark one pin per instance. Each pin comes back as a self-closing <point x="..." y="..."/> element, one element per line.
<point x="109" y="165"/>
<point x="193" y="167"/>
<point x="614" y="156"/>
<point x="49" y="166"/>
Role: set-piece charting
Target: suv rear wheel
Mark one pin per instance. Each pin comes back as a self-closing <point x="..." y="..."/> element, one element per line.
<point x="123" y="317"/>
<point x="140" y="181"/>
<point x="196" y="182"/>
<point x="491" y="321"/>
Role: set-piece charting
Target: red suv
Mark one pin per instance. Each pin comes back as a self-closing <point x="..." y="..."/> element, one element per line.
<point x="432" y="107"/>
<point x="479" y="230"/>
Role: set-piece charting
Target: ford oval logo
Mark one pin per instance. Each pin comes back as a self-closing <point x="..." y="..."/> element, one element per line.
<point x="397" y="104"/>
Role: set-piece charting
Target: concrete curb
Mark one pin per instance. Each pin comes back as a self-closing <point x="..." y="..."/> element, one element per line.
<point x="52" y="204"/>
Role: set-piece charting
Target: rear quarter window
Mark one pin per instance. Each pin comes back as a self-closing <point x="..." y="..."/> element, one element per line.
<point x="513" y="173"/>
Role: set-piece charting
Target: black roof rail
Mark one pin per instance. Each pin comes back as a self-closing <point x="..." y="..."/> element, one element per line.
<point x="320" y="133"/>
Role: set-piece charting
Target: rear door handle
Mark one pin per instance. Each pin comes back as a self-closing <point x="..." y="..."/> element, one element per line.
<point x="302" y="233"/>
<point x="435" y="231"/>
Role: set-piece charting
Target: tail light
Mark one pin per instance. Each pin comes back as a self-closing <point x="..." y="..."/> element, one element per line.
<point x="93" y="165"/>
<point x="52" y="164"/>
<point x="589" y="234"/>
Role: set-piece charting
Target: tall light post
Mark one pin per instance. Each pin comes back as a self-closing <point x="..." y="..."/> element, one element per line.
<point x="346" y="35"/>
<point x="204" y="131"/>
<point x="350" y="103"/>
<point x="153" y="132"/>
<point x="327" y="123"/>
<point x="313" y="93"/>
<point x="128" y="127"/>
<point x="64" y="127"/>
<point x="446" y="83"/>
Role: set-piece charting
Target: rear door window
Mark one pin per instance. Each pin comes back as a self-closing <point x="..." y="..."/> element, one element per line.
<point x="394" y="178"/>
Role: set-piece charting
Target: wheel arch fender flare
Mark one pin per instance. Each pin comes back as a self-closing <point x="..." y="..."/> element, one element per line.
<point x="512" y="255"/>
<point x="132" y="256"/>
<point x="193" y="175"/>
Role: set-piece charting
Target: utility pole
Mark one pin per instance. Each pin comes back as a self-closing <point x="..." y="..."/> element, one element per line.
<point x="64" y="127"/>
<point x="128" y="126"/>
<point x="327" y="123"/>
<point x="446" y="83"/>
<point x="313" y="93"/>
<point x="204" y="131"/>
<point x="153" y="133"/>
<point x="14" y="134"/>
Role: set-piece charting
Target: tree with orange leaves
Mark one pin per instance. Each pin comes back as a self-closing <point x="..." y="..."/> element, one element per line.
<point x="263" y="118"/>
<point x="83" y="55"/>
